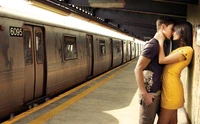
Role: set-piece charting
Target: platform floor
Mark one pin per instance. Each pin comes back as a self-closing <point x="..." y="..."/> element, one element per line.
<point x="111" y="98"/>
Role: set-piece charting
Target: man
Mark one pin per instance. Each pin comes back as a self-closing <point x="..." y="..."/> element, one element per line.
<point x="148" y="73"/>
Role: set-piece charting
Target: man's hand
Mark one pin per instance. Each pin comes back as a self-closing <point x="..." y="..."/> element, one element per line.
<point x="148" y="98"/>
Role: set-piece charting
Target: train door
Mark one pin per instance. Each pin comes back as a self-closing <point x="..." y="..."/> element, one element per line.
<point x="124" y="51"/>
<point x="112" y="52"/>
<point x="132" y="50"/>
<point x="129" y="50"/>
<point x="136" y="49"/>
<point x="34" y="63"/>
<point x="89" y="44"/>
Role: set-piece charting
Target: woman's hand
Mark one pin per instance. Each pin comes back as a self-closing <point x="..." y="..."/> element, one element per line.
<point x="160" y="37"/>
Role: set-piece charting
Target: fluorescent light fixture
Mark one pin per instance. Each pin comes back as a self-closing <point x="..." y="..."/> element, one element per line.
<point x="49" y="8"/>
<point x="107" y="3"/>
<point x="24" y="9"/>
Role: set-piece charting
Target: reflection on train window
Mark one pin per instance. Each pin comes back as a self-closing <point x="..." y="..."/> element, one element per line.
<point x="70" y="51"/>
<point x="27" y="47"/>
<point x="116" y="47"/>
<point x="102" y="47"/>
<point x="39" y="47"/>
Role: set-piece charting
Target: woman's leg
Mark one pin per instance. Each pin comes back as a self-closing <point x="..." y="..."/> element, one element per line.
<point x="166" y="116"/>
<point x="174" y="119"/>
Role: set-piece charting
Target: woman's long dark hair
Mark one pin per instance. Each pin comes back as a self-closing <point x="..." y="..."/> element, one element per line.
<point x="184" y="29"/>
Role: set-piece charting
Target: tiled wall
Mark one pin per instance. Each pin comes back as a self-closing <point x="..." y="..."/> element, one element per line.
<point x="191" y="75"/>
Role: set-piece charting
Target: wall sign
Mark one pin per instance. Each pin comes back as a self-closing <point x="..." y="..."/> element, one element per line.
<point x="16" y="31"/>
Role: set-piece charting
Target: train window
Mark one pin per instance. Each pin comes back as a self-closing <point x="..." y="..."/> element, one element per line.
<point x="39" y="47"/>
<point x="102" y="47"/>
<point x="27" y="47"/>
<point x="70" y="51"/>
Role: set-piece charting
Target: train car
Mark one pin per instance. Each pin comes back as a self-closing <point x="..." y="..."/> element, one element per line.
<point x="41" y="59"/>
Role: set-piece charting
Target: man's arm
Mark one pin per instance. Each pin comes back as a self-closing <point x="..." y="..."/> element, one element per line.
<point x="140" y="66"/>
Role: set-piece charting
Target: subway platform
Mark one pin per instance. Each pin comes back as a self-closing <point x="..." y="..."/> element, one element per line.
<point x="111" y="98"/>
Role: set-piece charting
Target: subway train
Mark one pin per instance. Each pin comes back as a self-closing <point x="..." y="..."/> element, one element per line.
<point x="40" y="59"/>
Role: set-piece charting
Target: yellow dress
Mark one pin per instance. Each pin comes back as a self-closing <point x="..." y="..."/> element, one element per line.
<point x="172" y="96"/>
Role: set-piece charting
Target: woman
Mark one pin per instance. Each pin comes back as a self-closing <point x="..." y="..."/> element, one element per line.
<point x="172" y="97"/>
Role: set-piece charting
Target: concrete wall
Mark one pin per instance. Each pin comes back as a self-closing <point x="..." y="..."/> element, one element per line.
<point x="191" y="75"/>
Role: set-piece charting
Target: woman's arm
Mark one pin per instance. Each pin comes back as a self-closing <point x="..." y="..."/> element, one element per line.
<point x="171" y="58"/>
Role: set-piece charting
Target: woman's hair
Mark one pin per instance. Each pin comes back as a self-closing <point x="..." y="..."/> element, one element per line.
<point x="184" y="29"/>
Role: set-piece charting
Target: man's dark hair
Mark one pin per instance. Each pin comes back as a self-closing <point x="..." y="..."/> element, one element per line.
<point x="164" y="20"/>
